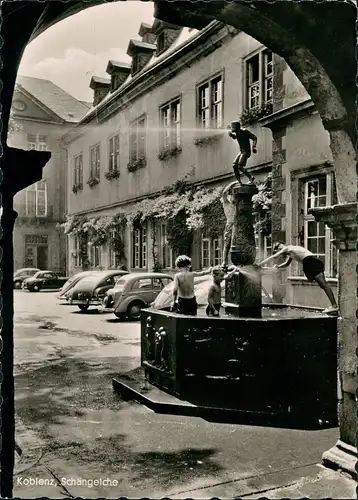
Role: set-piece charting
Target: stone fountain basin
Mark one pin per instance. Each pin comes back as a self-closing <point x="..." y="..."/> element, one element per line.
<point x="285" y="361"/>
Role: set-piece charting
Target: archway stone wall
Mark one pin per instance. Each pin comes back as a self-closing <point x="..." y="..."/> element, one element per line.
<point x="325" y="64"/>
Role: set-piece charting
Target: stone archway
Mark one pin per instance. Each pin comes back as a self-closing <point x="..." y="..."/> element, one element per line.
<point x="326" y="66"/>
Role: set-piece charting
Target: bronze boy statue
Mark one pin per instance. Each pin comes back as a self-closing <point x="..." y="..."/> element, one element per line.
<point x="243" y="137"/>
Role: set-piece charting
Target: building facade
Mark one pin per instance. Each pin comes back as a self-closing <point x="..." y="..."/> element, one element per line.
<point x="163" y="118"/>
<point x="42" y="113"/>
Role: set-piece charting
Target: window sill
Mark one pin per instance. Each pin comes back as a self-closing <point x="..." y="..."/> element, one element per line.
<point x="302" y="280"/>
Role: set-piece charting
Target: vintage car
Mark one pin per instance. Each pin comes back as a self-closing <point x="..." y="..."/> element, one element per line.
<point x="71" y="282"/>
<point x="22" y="274"/>
<point x="90" y="290"/>
<point x="44" y="280"/>
<point x="133" y="292"/>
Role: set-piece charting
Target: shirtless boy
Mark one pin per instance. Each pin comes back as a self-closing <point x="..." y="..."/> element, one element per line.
<point x="183" y="292"/>
<point x="312" y="267"/>
<point x="214" y="296"/>
<point x="243" y="137"/>
<point x="229" y="210"/>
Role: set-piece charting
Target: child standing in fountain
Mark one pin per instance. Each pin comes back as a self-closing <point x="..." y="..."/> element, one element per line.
<point x="243" y="137"/>
<point x="183" y="292"/>
<point x="312" y="267"/>
<point x="214" y="296"/>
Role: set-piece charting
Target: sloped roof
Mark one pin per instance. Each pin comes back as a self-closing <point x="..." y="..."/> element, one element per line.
<point x="185" y="36"/>
<point x="64" y="105"/>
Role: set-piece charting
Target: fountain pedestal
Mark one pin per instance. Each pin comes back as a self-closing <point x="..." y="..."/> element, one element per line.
<point x="243" y="291"/>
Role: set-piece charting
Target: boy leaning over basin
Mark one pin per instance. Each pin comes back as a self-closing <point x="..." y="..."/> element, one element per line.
<point x="312" y="267"/>
<point x="214" y="295"/>
<point x="184" y="301"/>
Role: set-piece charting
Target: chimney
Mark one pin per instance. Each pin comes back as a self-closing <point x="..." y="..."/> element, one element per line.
<point x="141" y="53"/>
<point x="146" y="33"/>
<point x="119" y="73"/>
<point x="166" y="34"/>
<point x="101" y="87"/>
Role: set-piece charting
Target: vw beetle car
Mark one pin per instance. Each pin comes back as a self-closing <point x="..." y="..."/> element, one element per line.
<point x="90" y="290"/>
<point x="134" y="292"/>
<point x="44" y="280"/>
<point x="71" y="282"/>
<point x="22" y="274"/>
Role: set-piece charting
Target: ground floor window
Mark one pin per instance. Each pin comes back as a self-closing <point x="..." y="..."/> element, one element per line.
<point x="317" y="191"/>
<point x="139" y="248"/>
<point x="211" y="250"/>
<point x="76" y="251"/>
<point x="112" y="253"/>
<point x="36" y="251"/>
<point x="263" y="246"/>
<point x="166" y="256"/>
<point x="95" y="256"/>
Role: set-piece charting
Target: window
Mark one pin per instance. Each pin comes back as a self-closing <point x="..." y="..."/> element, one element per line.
<point x="145" y="283"/>
<point x="113" y="153"/>
<point x="76" y="244"/>
<point x="36" y="199"/>
<point x="317" y="237"/>
<point x="135" y="64"/>
<point x="160" y="283"/>
<point x="137" y="139"/>
<point x="267" y="246"/>
<point x="112" y="253"/>
<point x="37" y="142"/>
<point x="160" y="43"/>
<point x="259" y="78"/>
<point x="210" y="106"/>
<point x="211" y="251"/>
<point x="95" y="256"/>
<point x="170" y="123"/>
<point x="166" y="251"/>
<point x="139" y="248"/>
<point x="95" y="159"/>
<point x="217" y="252"/>
<point x="78" y="170"/>
<point x="205" y="251"/>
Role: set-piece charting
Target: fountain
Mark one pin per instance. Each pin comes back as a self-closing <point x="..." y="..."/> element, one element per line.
<point x="271" y="361"/>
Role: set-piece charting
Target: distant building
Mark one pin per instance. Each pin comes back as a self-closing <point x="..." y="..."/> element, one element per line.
<point x="154" y="122"/>
<point x="42" y="113"/>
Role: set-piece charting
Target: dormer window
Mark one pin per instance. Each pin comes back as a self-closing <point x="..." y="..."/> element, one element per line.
<point x="166" y="34"/>
<point x="141" y="53"/>
<point x="135" y="64"/>
<point x="119" y="72"/>
<point x="160" y="43"/>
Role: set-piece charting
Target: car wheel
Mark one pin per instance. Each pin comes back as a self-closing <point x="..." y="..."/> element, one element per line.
<point x="36" y="288"/>
<point x="83" y="307"/>
<point x="134" y="310"/>
<point x="17" y="285"/>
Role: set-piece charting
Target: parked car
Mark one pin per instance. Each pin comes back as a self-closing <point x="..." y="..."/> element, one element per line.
<point x="44" y="280"/>
<point x="90" y="290"/>
<point x="133" y="292"/>
<point x="201" y="289"/>
<point x="22" y="274"/>
<point x="71" y="282"/>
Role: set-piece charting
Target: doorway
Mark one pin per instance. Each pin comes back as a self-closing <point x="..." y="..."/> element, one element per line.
<point x="36" y="251"/>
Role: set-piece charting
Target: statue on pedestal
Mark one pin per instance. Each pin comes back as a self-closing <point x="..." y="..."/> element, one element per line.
<point x="243" y="137"/>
